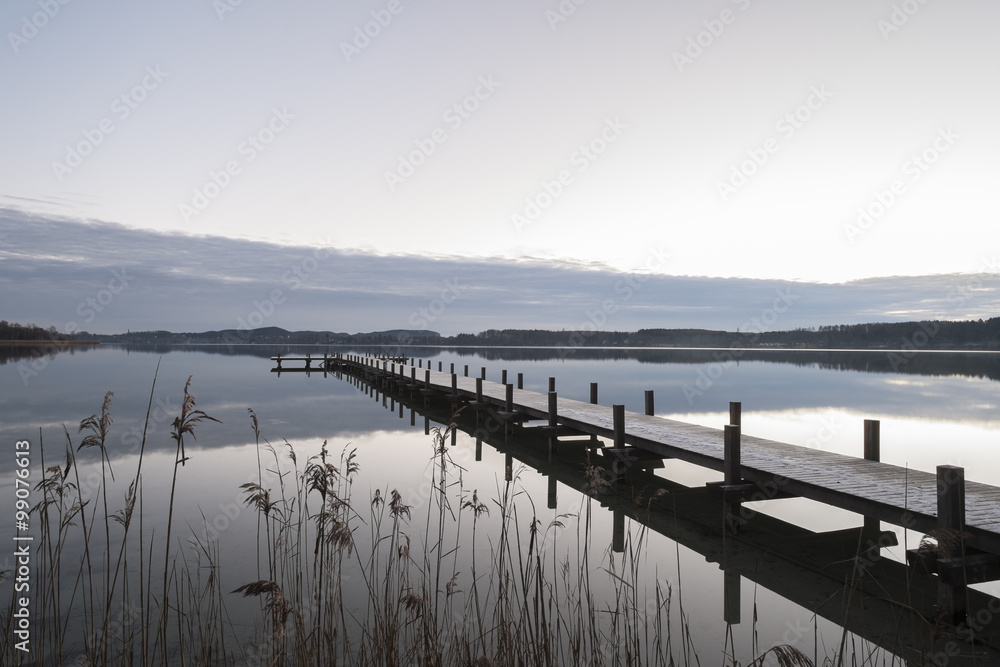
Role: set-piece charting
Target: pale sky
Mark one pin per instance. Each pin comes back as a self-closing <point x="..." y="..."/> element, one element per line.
<point x="742" y="136"/>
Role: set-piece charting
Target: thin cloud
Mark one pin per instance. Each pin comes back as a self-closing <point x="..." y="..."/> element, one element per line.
<point x="105" y="277"/>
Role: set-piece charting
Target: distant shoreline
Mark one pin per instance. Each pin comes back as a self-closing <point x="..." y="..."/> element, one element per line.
<point x="28" y="343"/>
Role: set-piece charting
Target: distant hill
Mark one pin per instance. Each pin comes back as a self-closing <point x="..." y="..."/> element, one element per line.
<point x="937" y="335"/>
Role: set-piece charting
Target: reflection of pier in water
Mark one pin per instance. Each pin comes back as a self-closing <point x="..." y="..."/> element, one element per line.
<point x="883" y="601"/>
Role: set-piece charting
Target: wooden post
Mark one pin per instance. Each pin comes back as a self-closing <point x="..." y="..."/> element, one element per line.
<point x="649" y="403"/>
<point x="552" y="384"/>
<point x="482" y="373"/>
<point x="872" y="440"/>
<point x="620" y="466"/>
<point x="479" y="399"/>
<point x="454" y="387"/>
<point x="951" y="524"/>
<point x="593" y="401"/>
<point x="736" y="413"/>
<point x="509" y="407"/>
<point x="553" y="421"/>
<point x="452" y="371"/>
<point x="873" y="452"/>
<point x="731" y="596"/>
<point x="467" y="370"/>
<point x="503" y="376"/>
<point x="440" y="366"/>
<point x="520" y="380"/>
<point x="618" y="415"/>
<point x="733" y="474"/>
<point x="421" y="363"/>
<point x="731" y="467"/>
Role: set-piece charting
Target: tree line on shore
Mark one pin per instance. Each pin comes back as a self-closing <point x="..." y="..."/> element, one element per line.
<point x="937" y="334"/>
<point x="13" y="331"/>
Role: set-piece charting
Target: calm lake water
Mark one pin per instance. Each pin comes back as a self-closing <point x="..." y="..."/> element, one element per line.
<point x="934" y="408"/>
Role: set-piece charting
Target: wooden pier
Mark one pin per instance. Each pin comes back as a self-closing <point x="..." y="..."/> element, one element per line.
<point x="963" y="516"/>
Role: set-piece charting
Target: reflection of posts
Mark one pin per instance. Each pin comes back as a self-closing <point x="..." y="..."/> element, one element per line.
<point x="731" y="596"/>
<point x="618" y="532"/>
<point x="552" y="492"/>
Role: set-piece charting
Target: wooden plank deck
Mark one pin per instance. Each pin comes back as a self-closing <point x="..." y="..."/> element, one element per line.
<point x="896" y="495"/>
